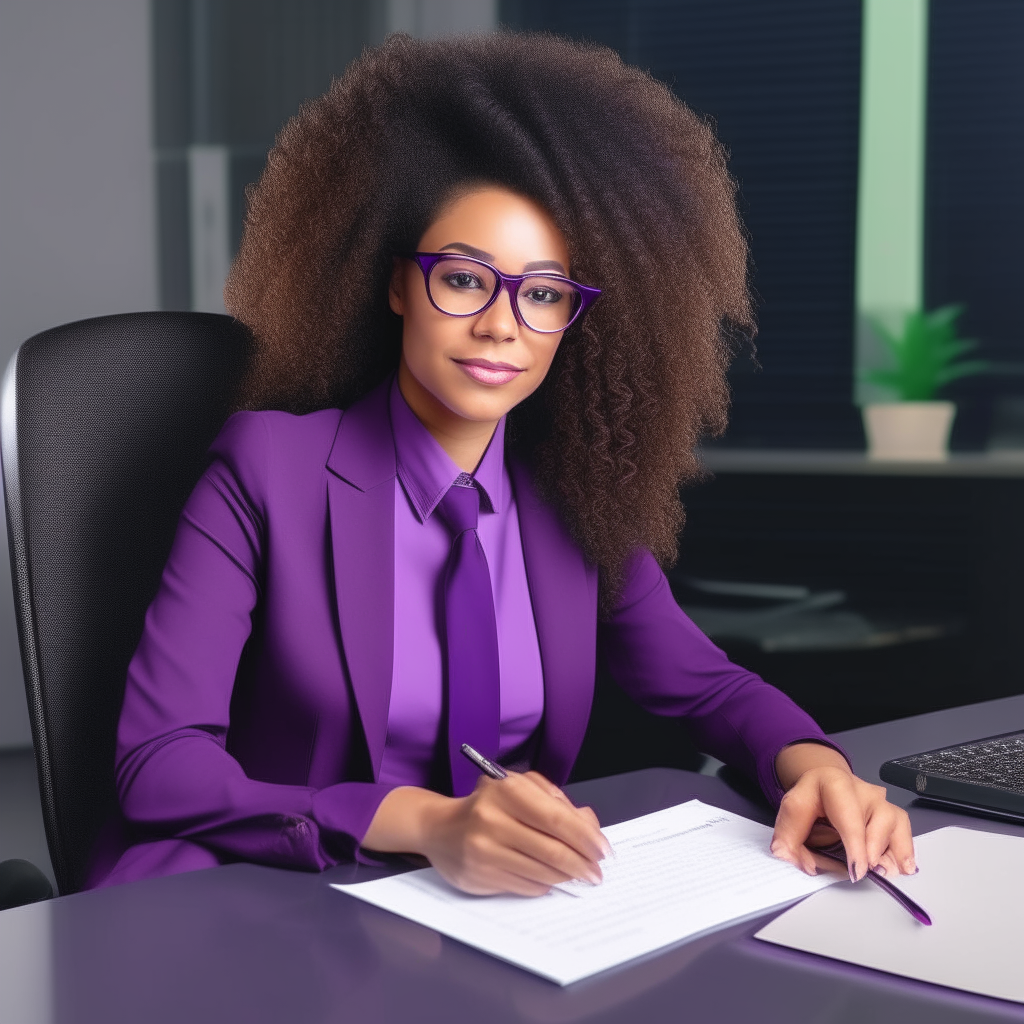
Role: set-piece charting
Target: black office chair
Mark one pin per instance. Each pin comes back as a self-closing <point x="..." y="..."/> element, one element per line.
<point x="105" y="428"/>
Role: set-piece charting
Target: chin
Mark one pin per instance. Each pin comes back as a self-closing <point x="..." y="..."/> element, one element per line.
<point x="481" y="412"/>
<point x="481" y="403"/>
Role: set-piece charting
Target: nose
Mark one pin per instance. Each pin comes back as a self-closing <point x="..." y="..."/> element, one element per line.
<point x="498" y="321"/>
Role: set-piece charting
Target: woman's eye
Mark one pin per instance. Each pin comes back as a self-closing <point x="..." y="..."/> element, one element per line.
<point x="546" y="296"/>
<point x="462" y="279"/>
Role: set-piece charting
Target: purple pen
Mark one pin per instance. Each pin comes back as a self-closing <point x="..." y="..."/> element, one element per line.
<point x="916" y="911"/>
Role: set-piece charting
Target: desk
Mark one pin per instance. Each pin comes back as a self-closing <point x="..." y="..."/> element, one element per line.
<point x="253" y="944"/>
<point x="991" y="465"/>
<point x="938" y="543"/>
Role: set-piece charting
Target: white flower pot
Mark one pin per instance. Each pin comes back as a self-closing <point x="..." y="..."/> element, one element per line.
<point x="909" y="431"/>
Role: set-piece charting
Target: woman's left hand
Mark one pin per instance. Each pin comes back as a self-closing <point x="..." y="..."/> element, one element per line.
<point x="825" y="802"/>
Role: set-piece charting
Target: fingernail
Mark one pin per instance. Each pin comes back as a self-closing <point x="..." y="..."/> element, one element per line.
<point x="854" y="872"/>
<point x="879" y="870"/>
<point x="593" y="878"/>
<point x="608" y="851"/>
<point x="909" y="867"/>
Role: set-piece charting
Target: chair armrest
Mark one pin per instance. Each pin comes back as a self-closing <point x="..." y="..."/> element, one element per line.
<point x="22" y="882"/>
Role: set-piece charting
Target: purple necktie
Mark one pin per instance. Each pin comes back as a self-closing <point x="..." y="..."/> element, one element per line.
<point x="472" y="639"/>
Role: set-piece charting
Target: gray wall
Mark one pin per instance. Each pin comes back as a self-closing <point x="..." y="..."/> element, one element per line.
<point x="430" y="18"/>
<point x="76" y="198"/>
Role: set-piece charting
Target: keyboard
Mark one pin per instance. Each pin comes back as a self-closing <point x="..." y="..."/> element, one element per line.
<point x="986" y="773"/>
<point x="998" y="761"/>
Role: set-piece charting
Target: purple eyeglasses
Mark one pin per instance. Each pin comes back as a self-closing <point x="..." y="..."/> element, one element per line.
<point x="461" y="285"/>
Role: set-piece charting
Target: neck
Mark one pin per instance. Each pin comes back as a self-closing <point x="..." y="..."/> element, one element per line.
<point x="464" y="441"/>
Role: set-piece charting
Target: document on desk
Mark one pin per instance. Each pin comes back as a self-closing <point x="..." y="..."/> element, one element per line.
<point x="972" y="885"/>
<point x="676" y="874"/>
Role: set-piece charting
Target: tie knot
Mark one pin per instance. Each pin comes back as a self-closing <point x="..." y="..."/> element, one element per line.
<point x="460" y="507"/>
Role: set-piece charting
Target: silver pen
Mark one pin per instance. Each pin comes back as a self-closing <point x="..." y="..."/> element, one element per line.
<point x="495" y="771"/>
<point x="487" y="766"/>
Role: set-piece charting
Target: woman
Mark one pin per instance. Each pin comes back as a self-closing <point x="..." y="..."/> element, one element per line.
<point x="353" y="594"/>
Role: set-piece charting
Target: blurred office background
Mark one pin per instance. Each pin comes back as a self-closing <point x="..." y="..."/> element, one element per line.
<point x="879" y="149"/>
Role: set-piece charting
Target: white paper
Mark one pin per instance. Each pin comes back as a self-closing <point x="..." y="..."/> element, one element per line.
<point x="971" y="883"/>
<point x="676" y="874"/>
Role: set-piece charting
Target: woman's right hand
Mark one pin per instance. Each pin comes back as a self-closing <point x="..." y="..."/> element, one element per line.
<point x="518" y="835"/>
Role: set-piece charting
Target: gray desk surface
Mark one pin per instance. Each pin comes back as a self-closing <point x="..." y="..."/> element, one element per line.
<point x="991" y="465"/>
<point x="253" y="944"/>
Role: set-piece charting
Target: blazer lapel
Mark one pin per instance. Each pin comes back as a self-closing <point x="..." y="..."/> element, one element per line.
<point x="563" y="589"/>
<point x="361" y="502"/>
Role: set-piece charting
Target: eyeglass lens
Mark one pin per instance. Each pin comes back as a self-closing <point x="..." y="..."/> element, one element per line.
<point x="463" y="287"/>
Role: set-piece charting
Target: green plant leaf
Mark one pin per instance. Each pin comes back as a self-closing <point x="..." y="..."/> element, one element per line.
<point x="886" y="337"/>
<point x="927" y="354"/>
<point x="947" y="351"/>
<point x="885" y="378"/>
<point x="947" y="315"/>
<point x="971" y="369"/>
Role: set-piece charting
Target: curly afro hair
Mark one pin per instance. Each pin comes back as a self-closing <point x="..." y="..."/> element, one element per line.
<point x="634" y="179"/>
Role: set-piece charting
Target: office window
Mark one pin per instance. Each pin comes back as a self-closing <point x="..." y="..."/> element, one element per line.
<point x="974" y="201"/>
<point x="782" y="81"/>
<point x="227" y="75"/>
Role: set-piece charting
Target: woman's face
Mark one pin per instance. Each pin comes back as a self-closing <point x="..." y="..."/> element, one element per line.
<point x="469" y="371"/>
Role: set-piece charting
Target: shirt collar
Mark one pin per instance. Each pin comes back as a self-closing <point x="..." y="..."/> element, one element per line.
<point x="427" y="471"/>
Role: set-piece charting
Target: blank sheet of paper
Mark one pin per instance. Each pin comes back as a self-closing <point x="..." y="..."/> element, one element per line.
<point x="972" y="885"/>
<point x="676" y="874"/>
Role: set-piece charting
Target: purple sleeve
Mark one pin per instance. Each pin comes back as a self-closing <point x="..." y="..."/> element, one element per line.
<point x="174" y="775"/>
<point x="668" y="666"/>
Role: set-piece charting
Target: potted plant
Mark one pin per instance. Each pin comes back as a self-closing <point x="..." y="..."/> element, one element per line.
<point x="927" y="356"/>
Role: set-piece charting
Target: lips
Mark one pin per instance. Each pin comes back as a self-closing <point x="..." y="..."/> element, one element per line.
<point x="483" y="371"/>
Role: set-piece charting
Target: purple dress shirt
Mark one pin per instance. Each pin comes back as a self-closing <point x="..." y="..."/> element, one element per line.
<point x="422" y="545"/>
<point x="255" y="714"/>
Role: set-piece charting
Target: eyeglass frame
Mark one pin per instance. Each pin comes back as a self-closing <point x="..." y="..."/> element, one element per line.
<point x="426" y="261"/>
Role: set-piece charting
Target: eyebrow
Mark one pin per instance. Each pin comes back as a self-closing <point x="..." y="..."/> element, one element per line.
<point x="480" y="254"/>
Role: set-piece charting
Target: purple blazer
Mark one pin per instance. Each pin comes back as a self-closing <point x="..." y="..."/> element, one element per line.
<point x="256" y="706"/>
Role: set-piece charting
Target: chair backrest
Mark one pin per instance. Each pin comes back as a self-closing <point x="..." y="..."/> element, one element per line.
<point x="105" y="428"/>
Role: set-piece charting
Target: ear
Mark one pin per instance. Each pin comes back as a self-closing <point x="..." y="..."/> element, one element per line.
<point x="396" y="288"/>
